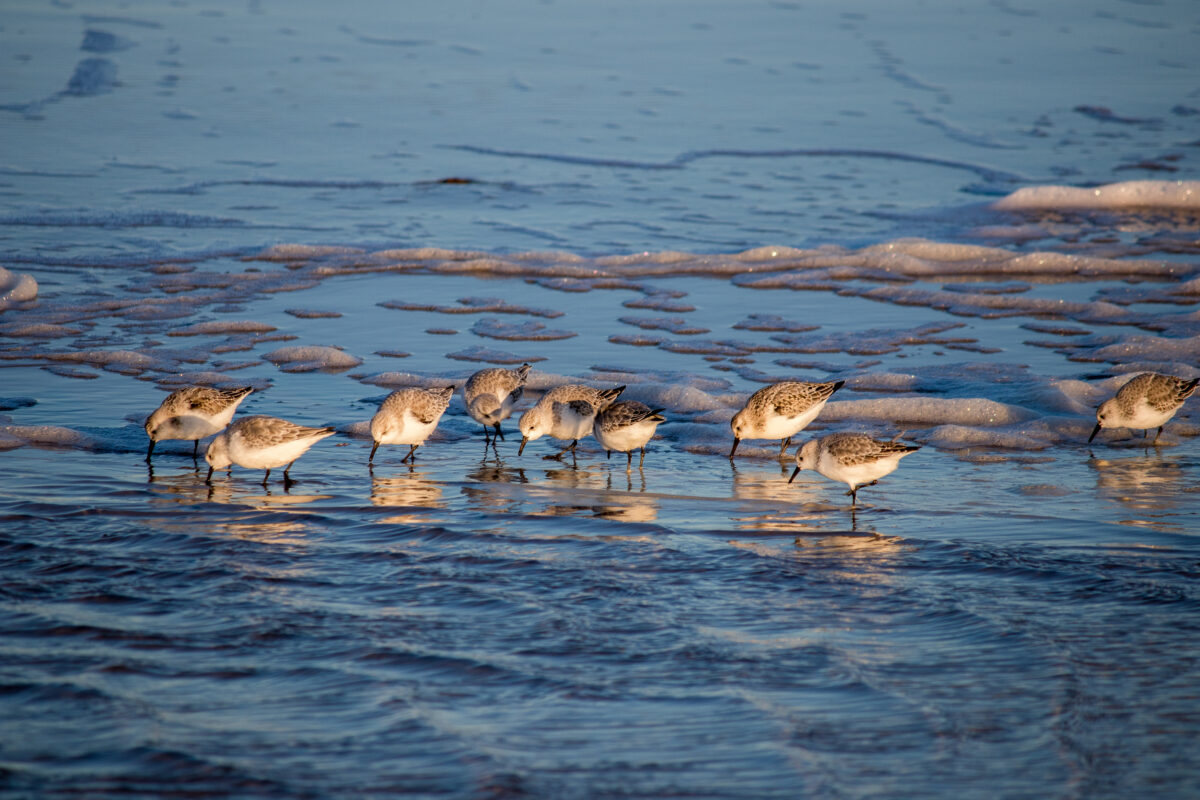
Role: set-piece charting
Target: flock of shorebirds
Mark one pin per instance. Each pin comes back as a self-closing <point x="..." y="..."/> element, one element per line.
<point x="573" y="411"/>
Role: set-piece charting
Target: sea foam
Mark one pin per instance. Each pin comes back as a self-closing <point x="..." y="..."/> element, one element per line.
<point x="1111" y="197"/>
<point x="16" y="287"/>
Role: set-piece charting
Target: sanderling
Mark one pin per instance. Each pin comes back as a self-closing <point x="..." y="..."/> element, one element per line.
<point x="626" y="426"/>
<point x="565" y="412"/>
<point x="854" y="458"/>
<point x="408" y="416"/>
<point x="780" y="411"/>
<point x="193" y="413"/>
<point x="1147" y="401"/>
<point x="490" y="395"/>
<point x="262" y="442"/>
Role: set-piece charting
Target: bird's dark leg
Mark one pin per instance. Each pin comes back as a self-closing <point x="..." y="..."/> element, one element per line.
<point x="1160" y="427"/>
<point x="487" y="437"/>
<point x="568" y="449"/>
<point x="286" y="470"/>
<point x="629" y="459"/>
<point x="642" y="460"/>
<point x="783" y="448"/>
<point x="853" y="495"/>
<point x="195" y="449"/>
<point x="266" y="476"/>
<point x="499" y="432"/>
<point x="411" y="451"/>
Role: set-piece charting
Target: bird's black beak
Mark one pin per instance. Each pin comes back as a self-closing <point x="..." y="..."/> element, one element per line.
<point x="795" y="472"/>
<point x="1095" y="430"/>
<point x="521" y="449"/>
<point x="733" y="449"/>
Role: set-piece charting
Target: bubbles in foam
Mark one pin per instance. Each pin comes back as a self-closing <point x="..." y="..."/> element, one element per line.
<point x="667" y="302"/>
<point x="1114" y="196"/>
<point x="219" y="380"/>
<point x="491" y="356"/>
<point x="222" y="326"/>
<point x="977" y="412"/>
<point x="16" y="288"/>
<point x="37" y="330"/>
<point x="676" y="325"/>
<point x="475" y="305"/>
<point x="636" y="340"/>
<point x="49" y="435"/>
<point x="523" y="331"/>
<point x="127" y="362"/>
<point x="308" y="358"/>
<point x="773" y="323"/>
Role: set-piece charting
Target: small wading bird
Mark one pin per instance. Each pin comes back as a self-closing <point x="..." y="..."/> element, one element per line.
<point x="626" y="426"/>
<point x="490" y="395"/>
<point x="1147" y="401"/>
<point x="262" y="442"/>
<point x="853" y="458"/>
<point x="193" y="413"/>
<point x="780" y="411"/>
<point x="408" y="416"/>
<point x="565" y="412"/>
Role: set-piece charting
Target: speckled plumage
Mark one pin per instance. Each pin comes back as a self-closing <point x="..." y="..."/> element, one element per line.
<point x="262" y="442"/>
<point x="780" y="411"/>
<point x="626" y="426"/>
<point x="193" y="413"/>
<point x="852" y="458"/>
<point x="408" y="416"/>
<point x="1146" y="401"/>
<point x="490" y="395"/>
<point x="565" y="412"/>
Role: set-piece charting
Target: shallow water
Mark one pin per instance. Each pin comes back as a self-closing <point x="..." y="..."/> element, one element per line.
<point x="689" y="200"/>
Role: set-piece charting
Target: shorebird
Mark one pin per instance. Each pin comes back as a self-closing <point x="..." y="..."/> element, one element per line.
<point x="626" y="426"/>
<point x="565" y="412"/>
<point x="490" y="395"/>
<point x="262" y="442"/>
<point x="780" y="411"/>
<point x="193" y="413"/>
<point x="1147" y="401"/>
<point x="408" y="416"/>
<point x="853" y="458"/>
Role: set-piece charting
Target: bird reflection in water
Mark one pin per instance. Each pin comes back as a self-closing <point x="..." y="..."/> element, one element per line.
<point x="293" y="534"/>
<point x="188" y="486"/>
<point x="865" y="557"/>
<point x="590" y="477"/>
<point x="1148" y="484"/>
<point x="412" y="489"/>
<point x="634" y="480"/>
<point x="767" y="506"/>
<point x="768" y="483"/>
<point x="178" y="486"/>
<point x="629" y="508"/>
<point x="637" y="508"/>
<point x="487" y="491"/>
